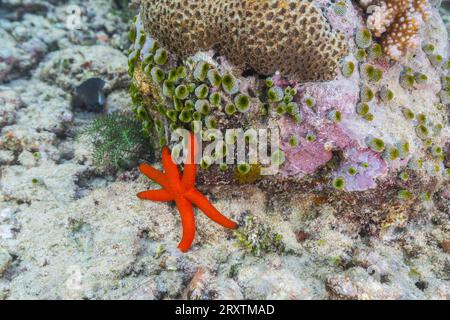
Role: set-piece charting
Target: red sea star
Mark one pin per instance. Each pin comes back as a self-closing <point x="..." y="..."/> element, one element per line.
<point x="182" y="190"/>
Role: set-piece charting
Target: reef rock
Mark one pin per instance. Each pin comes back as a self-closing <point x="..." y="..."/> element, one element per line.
<point x="368" y="133"/>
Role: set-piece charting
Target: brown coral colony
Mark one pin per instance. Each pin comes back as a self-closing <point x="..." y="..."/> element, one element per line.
<point x="289" y="36"/>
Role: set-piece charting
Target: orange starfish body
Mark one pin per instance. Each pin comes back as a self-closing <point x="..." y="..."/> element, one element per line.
<point x="182" y="190"/>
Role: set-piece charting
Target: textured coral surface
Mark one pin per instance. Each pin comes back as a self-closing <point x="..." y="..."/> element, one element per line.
<point x="398" y="22"/>
<point x="291" y="36"/>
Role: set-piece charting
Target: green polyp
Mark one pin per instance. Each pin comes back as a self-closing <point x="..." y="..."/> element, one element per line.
<point x="407" y="80"/>
<point x="161" y="57"/>
<point x="287" y="98"/>
<point x="436" y="60"/>
<point x="197" y="116"/>
<point x="404" y="195"/>
<point x="311" y="137"/>
<point x="352" y="171"/>
<point x="378" y="75"/>
<point x="173" y="75"/>
<point x="269" y="82"/>
<point x="436" y="151"/>
<point x="438" y="129"/>
<point x="244" y="168"/>
<point x="278" y="158"/>
<point x="428" y="142"/>
<point x="206" y="163"/>
<point x="148" y="60"/>
<point x="211" y="122"/>
<point x="365" y="165"/>
<point x="421" y="118"/>
<point x="335" y="116"/>
<point x="172" y="115"/>
<point x="292" y="91"/>
<point x="215" y="99"/>
<point x="142" y="38"/>
<point x="178" y="104"/>
<point x="132" y="34"/>
<point x="229" y="84"/>
<point x="168" y="88"/>
<point x="375" y="144"/>
<point x="293" y="141"/>
<point x="408" y="114"/>
<point x="275" y="94"/>
<point x="369" y="117"/>
<point x="157" y="74"/>
<point x="281" y="109"/>
<point x="422" y="132"/>
<point x="404" y="176"/>
<point x="363" y="38"/>
<point x="181" y="72"/>
<point x="297" y="118"/>
<point x="147" y="126"/>
<point x="251" y="136"/>
<point x="366" y="94"/>
<point x="425" y="196"/>
<point x="202" y="91"/>
<point x="292" y="108"/>
<point x="142" y="113"/>
<point x="191" y="87"/>
<point x="362" y="109"/>
<point x="223" y="167"/>
<point x="202" y="106"/>
<point x="391" y="153"/>
<point x="420" y="78"/>
<point x="428" y="48"/>
<point x="189" y="105"/>
<point x="375" y="51"/>
<point x="340" y="8"/>
<point x="360" y="55"/>
<point x="386" y="94"/>
<point x="368" y="71"/>
<point x="338" y="183"/>
<point x="404" y="148"/>
<point x="201" y="71"/>
<point x="220" y="151"/>
<point x="242" y="102"/>
<point x="230" y="109"/>
<point x="185" y="116"/>
<point x="181" y="92"/>
<point x="162" y="141"/>
<point x="214" y="78"/>
<point x="310" y="102"/>
<point x="347" y="69"/>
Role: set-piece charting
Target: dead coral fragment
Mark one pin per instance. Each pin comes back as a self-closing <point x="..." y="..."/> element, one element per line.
<point x="293" y="37"/>
<point x="398" y="22"/>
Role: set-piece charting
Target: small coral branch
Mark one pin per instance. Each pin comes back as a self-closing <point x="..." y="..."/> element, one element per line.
<point x="398" y="23"/>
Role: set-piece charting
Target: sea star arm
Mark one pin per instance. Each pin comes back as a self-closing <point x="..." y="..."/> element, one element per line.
<point x="203" y="204"/>
<point x="154" y="175"/>
<point x="171" y="169"/>
<point x="188" y="223"/>
<point x="156" y="195"/>
<point x="190" y="168"/>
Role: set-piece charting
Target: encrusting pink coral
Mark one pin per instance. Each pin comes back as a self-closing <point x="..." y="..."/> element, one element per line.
<point x="398" y="23"/>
